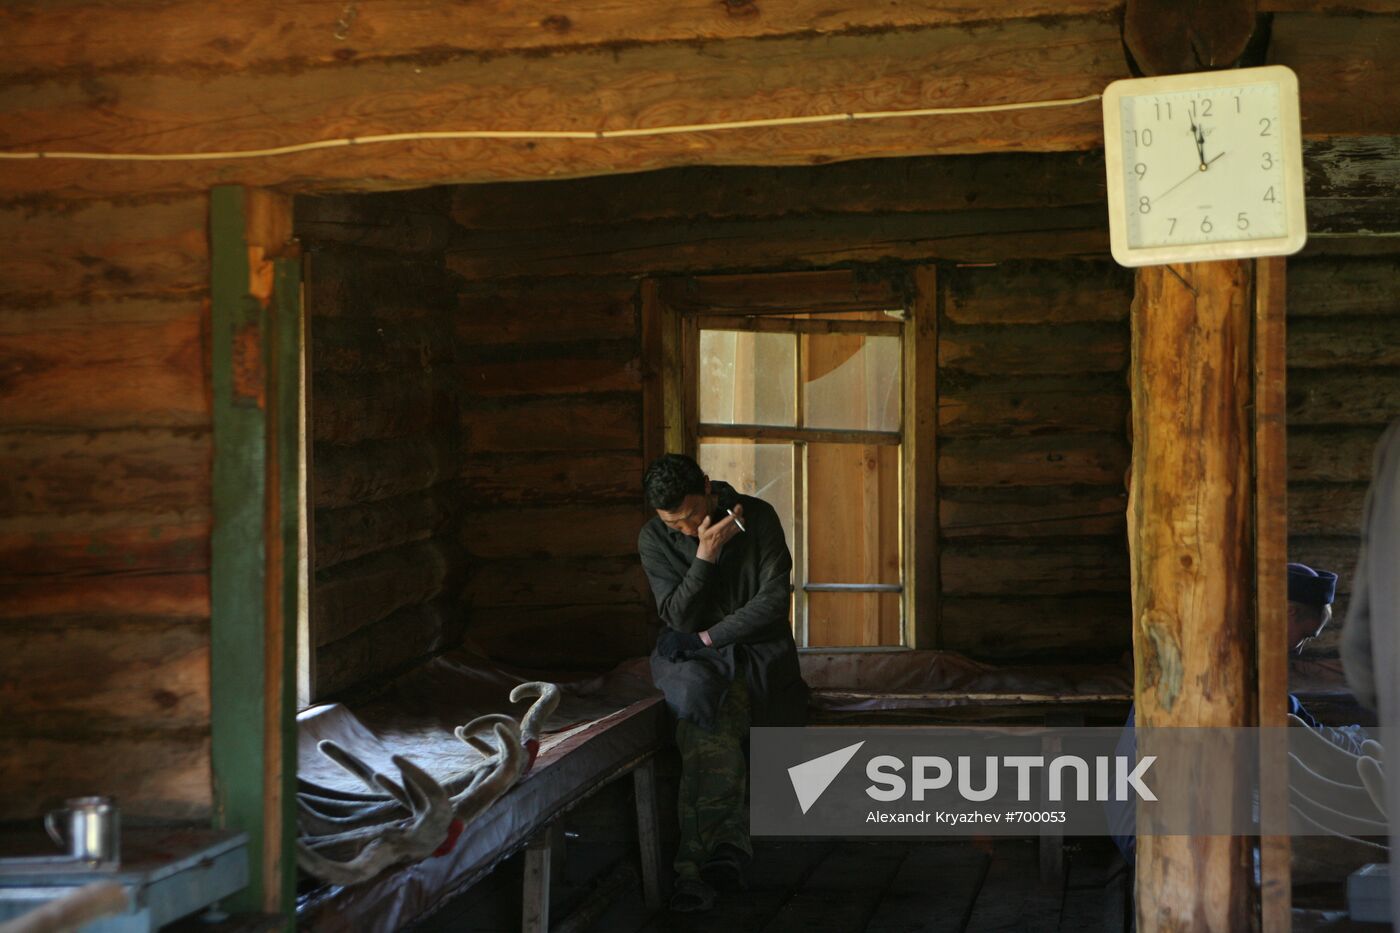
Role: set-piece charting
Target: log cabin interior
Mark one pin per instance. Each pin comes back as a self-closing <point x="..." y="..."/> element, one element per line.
<point x="347" y="442"/>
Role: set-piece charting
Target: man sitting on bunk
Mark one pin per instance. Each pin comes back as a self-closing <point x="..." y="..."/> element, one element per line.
<point x="720" y="570"/>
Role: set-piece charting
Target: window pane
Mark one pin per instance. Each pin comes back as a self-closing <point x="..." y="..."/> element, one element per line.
<point x="843" y="620"/>
<point x="852" y="513"/>
<point x="747" y="378"/>
<point x="760" y="470"/>
<point x="852" y="381"/>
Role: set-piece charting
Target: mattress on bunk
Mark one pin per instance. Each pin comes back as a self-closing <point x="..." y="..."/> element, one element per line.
<point x="912" y="680"/>
<point x="602" y="727"/>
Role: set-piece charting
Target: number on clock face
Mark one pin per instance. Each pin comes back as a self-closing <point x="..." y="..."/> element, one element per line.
<point x="1203" y="166"/>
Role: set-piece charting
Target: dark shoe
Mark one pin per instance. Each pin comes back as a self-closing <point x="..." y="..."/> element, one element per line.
<point x="725" y="869"/>
<point x="691" y="895"/>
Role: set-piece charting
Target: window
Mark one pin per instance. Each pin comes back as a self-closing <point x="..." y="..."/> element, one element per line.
<point x="800" y="399"/>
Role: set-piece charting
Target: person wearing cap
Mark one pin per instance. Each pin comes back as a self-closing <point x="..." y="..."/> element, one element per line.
<point x="1310" y="595"/>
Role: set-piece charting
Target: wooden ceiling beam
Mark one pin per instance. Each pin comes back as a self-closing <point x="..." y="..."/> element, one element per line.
<point x="273" y="35"/>
<point x="1350" y="85"/>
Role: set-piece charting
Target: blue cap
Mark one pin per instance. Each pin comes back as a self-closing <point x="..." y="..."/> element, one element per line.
<point x="1311" y="587"/>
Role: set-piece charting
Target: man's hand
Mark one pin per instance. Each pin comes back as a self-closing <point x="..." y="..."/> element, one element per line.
<point x="676" y="646"/>
<point x="713" y="535"/>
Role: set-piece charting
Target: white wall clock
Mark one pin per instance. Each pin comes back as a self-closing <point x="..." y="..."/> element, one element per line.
<point x="1204" y="166"/>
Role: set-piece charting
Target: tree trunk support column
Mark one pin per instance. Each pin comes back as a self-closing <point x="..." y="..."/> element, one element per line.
<point x="1191" y="527"/>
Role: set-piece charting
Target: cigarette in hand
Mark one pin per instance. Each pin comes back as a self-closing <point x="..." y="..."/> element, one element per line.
<point x="736" y="519"/>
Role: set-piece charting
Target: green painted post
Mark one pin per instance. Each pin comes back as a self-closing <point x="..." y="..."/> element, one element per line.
<point x="256" y="374"/>
<point x="237" y="576"/>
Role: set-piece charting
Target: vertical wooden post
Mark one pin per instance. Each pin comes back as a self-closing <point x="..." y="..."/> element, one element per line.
<point x="255" y="356"/>
<point x="534" y="900"/>
<point x="1191" y="525"/>
<point x="648" y="832"/>
<point x="1271" y="589"/>
<point x="920" y="467"/>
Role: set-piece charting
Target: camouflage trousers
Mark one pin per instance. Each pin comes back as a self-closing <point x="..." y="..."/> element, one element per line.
<point x="714" y="778"/>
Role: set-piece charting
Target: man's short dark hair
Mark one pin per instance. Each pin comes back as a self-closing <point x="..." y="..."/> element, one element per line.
<point x="669" y="479"/>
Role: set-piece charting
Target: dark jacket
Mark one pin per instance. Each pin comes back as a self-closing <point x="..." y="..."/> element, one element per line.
<point x="743" y="600"/>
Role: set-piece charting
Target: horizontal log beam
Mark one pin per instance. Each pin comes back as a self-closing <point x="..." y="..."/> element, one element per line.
<point x="564" y="637"/>
<point x="1323" y="343"/>
<point x="944" y="184"/>
<point x="549" y="310"/>
<point x="1322" y="397"/>
<point x="103" y="250"/>
<point x="1050" y="460"/>
<point x="1033" y="569"/>
<point x="551" y="479"/>
<point x="46" y="40"/>
<point x="1001" y="406"/>
<point x="1039" y="292"/>
<point x="63" y="472"/>
<point x="1325" y="508"/>
<point x="585" y="529"/>
<point x="116" y="674"/>
<point x="349" y="409"/>
<point x="363" y="284"/>
<point x="559" y="582"/>
<point x="415" y="223"/>
<point x="1334" y="285"/>
<point x="1036" y="512"/>
<point x="590" y="423"/>
<point x="930" y="61"/>
<point x="364" y="345"/>
<point x="363" y="528"/>
<point x="166" y="596"/>
<point x="1034" y="350"/>
<point x="361" y="592"/>
<point x="1331" y="455"/>
<point x="159" y="776"/>
<point x="1005" y="628"/>
<point x="552" y="369"/>
<point x="59" y="547"/>
<point x="785" y="243"/>
<point x="346" y="475"/>
<point x="638" y="86"/>
<point x="386" y="647"/>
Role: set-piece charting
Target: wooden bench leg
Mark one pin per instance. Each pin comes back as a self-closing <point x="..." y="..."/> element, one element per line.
<point x="1052" y="838"/>
<point x="534" y="906"/>
<point x="648" y="837"/>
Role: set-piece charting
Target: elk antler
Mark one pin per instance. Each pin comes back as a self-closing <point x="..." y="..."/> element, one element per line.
<point x="540" y="710"/>
<point x="403" y="840"/>
<point x="489" y="784"/>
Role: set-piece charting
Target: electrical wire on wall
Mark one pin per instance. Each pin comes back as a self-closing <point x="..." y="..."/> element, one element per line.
<point x="546" y="134"/>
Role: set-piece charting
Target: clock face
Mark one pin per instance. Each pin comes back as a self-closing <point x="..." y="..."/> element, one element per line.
<point x="1204" y="166"/>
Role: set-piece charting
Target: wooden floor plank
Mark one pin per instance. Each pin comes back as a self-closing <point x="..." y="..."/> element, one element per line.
<point x="1002" y="901"/>
<point x="1097" y="888"/>
<point x="843" y="892"/>
<point x="933" y="891"/>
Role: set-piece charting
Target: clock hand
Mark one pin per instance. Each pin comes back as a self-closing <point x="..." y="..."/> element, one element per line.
<point x="1200" y="142"/>
<point x="1194" y="173"/>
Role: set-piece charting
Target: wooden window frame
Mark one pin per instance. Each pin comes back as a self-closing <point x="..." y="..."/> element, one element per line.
<point x="673" y="312"/>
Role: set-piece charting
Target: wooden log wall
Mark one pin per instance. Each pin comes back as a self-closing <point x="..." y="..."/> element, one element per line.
<point x="105" y="460"/>
<point x="385" y="421"/>
<point x="1032" y="440"/>
<point x="1343" y="388"/>
<point x="552" y="376"/>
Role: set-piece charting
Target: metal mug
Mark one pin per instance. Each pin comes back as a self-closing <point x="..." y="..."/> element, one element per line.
<point x="94" y="828"/>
